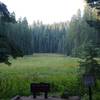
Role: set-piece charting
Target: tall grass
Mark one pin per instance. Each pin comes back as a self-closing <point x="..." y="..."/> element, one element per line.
<point x="60" y="71"/>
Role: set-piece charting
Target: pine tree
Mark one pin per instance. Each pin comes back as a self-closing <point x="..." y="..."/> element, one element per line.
<point x="7" y="47"/>
<point x="89" y="62"/>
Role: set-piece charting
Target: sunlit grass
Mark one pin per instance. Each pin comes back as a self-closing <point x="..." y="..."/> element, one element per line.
<point x="41" y="64"/>
<point x="60" y="71"/>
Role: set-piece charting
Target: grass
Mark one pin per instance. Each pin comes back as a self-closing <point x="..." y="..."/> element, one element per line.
<point x="60" y="71"/>
<point x="43" y="65"/>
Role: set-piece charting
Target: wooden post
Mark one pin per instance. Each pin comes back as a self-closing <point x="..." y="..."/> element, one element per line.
<point x="90" y="93"/>
<point x="46" y="95"/>
<point x="34" y="95"/>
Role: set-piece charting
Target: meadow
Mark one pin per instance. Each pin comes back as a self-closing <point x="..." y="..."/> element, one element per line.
<point x="59" y="70"/>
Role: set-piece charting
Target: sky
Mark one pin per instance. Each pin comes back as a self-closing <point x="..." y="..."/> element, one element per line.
<point x="47" y="11"/>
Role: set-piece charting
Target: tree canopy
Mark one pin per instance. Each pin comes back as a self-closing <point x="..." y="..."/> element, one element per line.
<point x="7" y="47"/>
<point x="67" y="38"/>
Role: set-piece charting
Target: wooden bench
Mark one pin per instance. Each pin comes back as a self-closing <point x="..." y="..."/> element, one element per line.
<point x="40" y="87"/>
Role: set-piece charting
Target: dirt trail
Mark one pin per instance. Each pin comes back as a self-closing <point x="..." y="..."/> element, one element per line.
<point x="42" y="98"/>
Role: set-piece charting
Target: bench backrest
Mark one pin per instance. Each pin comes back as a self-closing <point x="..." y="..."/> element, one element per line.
<point x="40" y="87"/>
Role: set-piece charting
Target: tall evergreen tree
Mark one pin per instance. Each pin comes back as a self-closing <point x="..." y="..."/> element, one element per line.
<point x="6" y="46"/>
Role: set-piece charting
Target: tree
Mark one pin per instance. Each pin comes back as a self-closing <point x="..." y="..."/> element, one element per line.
<point x="95" y="23"/>
<point x="89" y="63"/>
<point x="7" y="47"/>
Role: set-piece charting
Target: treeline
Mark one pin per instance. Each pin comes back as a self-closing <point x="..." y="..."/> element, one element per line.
<point x="65" y="38"/>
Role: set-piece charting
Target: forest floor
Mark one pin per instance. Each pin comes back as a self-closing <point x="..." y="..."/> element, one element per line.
<point x="42" y="98"/>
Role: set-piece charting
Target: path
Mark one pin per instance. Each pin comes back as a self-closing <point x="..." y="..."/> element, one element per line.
<point x="42" y="98"/>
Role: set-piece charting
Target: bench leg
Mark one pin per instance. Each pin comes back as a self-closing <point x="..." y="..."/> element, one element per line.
<point x="46" y="95"/>
<point x="34" y="95"/>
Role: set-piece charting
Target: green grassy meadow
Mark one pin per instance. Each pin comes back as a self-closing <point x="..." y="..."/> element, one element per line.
<point x="60" y="71"/>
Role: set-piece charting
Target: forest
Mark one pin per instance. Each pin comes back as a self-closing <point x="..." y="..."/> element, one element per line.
<point x="64" y="38"/>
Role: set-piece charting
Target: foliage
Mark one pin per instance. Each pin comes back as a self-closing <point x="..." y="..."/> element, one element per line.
<point x="6" y="46"/>
<point x="94" y="5"/>
<point x="95" y="97"/>
<point x="89" y="64"/>
<point x="89" y="1"/>
<point x="64" y="38"/>
<point x="58" y="70"/>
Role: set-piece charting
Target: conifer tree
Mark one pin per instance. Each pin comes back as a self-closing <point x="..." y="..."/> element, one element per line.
<point x="7" y="47"/>
<point x="89" y="62"/>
